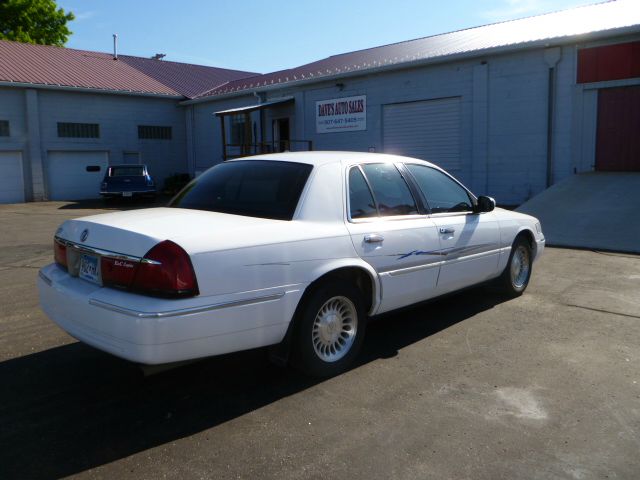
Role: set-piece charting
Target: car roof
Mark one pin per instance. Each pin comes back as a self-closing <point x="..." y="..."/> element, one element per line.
<point x="317" y="158"/>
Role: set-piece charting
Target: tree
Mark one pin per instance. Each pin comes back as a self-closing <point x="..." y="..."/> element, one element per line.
<point x="34" y="21"/>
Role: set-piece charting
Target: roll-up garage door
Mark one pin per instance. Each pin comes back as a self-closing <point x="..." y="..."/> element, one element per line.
<point x="75" y="175"/>
<point x="429" y="130"/>
<point x="11" y="179"/>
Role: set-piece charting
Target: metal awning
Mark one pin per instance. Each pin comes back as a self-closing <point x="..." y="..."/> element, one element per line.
<point x="252" y="108"/>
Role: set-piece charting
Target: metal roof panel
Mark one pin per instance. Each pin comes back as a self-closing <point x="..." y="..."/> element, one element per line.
<point x="600" y="17"/>
<point x="24" y="63"/>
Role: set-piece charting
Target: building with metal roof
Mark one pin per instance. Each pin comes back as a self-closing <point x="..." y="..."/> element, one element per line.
<point x="509" y="108"/>
<point x="44" y="66"/>
<point x="578" y="24"/>
<point x="65" y="114"/>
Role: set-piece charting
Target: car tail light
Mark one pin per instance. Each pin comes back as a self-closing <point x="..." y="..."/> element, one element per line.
<point x="166" y="270"/>
<point x="117" y="272"/>
<point x="60" y="253"/>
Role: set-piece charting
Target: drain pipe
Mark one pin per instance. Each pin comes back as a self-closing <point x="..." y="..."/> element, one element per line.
<point x="551" y="57"/>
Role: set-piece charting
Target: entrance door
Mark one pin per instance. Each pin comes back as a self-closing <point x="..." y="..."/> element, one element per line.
<point x="617" y="137"/>
<point x="281" y="135"/>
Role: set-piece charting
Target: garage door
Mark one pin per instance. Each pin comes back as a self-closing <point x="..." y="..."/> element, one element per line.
<point x="429" y="130"/>
<point x="11" y="180"/>
<point x="75" y="175"/>
<point x="617" y="137"/>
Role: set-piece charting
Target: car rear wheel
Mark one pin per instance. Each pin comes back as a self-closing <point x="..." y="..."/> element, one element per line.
<point x="329" y="329"/>
<point x="515" y="278"/>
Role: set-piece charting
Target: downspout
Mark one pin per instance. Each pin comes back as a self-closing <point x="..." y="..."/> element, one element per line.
<point x="261" y="119"/>
<point x="191" y="157"/>
<point x="551" y="57"/>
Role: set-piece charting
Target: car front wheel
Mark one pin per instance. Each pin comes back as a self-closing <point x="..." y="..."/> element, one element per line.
<point x="329" y="329"/>
<point x="516" y="275"/>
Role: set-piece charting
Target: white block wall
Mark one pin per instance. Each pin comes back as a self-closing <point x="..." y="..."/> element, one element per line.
<point x="34" y="114"/>
<point x="118" y="117"/>
<point x="503" y="117"/>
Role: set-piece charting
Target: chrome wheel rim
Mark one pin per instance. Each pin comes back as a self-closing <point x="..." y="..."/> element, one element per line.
<point x="334" y="329"/>
<point x="520" y="266"/>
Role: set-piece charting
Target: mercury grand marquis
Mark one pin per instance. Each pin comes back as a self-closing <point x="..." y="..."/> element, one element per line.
<point x="293" y="250"/>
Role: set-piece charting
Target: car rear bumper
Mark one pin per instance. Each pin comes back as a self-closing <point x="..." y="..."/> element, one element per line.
<point x="155" y="331"/>
<point x="127" y="193"/>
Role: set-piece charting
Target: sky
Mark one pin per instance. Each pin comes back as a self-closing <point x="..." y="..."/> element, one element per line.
<point x="261" y="36"/>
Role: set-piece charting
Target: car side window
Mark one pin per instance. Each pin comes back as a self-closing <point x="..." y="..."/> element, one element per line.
<point x="361" y="203"/>
<point x="390" y="191"/>
<point x="441" y="192"/>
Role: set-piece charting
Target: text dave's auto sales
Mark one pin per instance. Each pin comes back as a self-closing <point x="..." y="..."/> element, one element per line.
<point x="341" y="114"/>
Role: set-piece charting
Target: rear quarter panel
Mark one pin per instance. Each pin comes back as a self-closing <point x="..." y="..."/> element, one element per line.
<point x="292" y="262"/>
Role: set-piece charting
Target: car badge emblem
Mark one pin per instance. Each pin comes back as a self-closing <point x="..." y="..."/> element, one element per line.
<point x="84" y="235"/>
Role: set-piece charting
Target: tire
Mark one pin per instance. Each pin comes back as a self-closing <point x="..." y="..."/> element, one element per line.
<point x="329" y="329"/>
<point x="516" y="275"/>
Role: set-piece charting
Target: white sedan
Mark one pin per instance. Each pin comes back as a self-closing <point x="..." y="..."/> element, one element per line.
<point x="292" y="250"/>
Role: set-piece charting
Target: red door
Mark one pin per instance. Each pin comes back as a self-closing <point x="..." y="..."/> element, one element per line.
<point x="618" y="134"/>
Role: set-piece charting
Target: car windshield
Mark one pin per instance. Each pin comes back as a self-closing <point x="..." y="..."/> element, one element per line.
<point x="253" y="188"/>
<point x="126" y="171"/>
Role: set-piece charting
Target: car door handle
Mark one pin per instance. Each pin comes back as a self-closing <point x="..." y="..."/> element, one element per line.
<point x="373" y="238"/>
<point x="447" y="230"/>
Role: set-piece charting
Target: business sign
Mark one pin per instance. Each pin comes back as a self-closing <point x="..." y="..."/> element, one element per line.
<point x="341" y="114"/>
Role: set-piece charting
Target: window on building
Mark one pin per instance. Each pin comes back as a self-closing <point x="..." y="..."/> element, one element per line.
<point x="240" y="131"/>
<point x="154" y="132"/>
<point x="78" y="130"/>
<point x="4" y="128"/>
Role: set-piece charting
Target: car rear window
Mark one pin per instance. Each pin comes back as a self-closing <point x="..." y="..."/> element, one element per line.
<point x="253" y="188"/>
<point x="132" y="171"/>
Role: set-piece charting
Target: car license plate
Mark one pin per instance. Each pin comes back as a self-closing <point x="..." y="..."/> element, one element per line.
<point x="127" y="194"/>
<point x="90" y="268"/>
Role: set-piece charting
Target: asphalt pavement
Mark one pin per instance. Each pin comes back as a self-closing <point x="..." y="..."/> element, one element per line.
<point x="473" y="386"/>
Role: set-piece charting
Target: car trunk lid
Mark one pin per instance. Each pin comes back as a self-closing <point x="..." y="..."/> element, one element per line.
<point x="135" y="232"/>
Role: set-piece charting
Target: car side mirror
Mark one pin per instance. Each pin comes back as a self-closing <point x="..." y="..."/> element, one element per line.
<point x="485" y="204"/>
